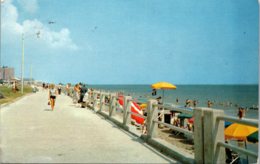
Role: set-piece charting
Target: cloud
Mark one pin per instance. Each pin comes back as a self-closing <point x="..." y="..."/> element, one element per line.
<point x="30" y="6"/>
<point x="11" y="27"/>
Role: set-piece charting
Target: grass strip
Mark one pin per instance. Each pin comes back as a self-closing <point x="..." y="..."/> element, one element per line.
<point x="10" y="96"/>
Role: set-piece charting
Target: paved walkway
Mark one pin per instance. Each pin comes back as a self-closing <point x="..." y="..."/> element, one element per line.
<point x="32" y="133"/>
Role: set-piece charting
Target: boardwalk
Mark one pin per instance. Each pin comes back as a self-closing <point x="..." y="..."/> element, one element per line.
<point x="31" y="133"/>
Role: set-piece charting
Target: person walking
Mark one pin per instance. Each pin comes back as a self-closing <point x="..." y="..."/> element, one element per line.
<point x="68" y="89"/>
<point x="59" y="89"/>
<point x="83" y="91"/>
<point x="52" y="95"/>
<point x="76" y="92"/>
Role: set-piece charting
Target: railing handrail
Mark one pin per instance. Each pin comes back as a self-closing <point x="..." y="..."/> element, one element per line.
<point x="182" y="130"/>
<point x="236" y="120"/>
<point x="238" y="149"/>
<point x="177" y="109"/>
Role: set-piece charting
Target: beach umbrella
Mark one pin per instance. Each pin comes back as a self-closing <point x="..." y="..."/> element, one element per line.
<point x="143" y="106"/>
<point x="227" y="124"/>
<point x="191" y="120"/>
<point x="184" y="115"/>
<point x="253" y="137"/>
<point x="239" y="131"/>
<point x="163" y="86"/>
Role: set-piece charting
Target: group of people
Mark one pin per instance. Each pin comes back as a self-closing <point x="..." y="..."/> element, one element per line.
<point x="80" y="93"/>
<point x="189" y="103"/>
<point x="181" y="122"/>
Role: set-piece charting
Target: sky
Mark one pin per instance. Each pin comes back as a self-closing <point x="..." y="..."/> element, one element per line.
<point x="133" y="41"/>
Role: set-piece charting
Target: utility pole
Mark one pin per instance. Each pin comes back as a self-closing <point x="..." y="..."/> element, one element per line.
<point x="22" y="65"/>
<point x="31" y="75"/>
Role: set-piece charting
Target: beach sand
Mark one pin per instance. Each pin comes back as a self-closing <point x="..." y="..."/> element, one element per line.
<point x="178" y="140"/>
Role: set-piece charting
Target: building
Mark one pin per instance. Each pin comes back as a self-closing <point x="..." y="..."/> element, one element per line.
<point x="6" y="73"/>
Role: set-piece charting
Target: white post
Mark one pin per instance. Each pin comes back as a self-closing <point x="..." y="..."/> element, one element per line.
<point x="152" y="114"/>
<point x="112" y="104"/>
<point x="213" y="133"/>
<point x="127" y="109"/>
<point x="198" y="135"/>
<point x="95" y="100"/>
<point x="102" y="96"/>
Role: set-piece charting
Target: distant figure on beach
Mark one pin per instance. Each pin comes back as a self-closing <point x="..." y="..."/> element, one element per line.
<point x="241" y="112"/>
<point x="177" y="100"/>
<point x="195" y="102"/>
<point x="154" y="92"/>
<point x="209" y="104"/>
<point x="187" y="103"/>
<point x="159" y="99"/>
<point x="52" y="96"/>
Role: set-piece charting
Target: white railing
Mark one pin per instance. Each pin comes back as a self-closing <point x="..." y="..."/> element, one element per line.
<point x="208" y="135"/>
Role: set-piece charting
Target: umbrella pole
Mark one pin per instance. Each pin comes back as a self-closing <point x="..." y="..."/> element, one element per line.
<point x="163" y="97"/>
<point x="163" y="107"/>
<point x="246" y="155"/>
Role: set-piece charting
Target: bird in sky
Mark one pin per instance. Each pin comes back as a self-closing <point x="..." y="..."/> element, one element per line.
<point x="38" y="34"/>
<point x="51" y="22"/>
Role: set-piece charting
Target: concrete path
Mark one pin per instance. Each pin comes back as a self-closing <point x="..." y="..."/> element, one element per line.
<point x="32" y="133"/>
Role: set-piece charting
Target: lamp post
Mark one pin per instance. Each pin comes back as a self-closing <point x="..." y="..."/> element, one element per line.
<point x="22" y="64"/>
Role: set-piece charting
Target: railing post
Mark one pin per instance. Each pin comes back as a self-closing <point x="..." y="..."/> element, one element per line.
<point x="95" y="100"/>
<point x="198" y="135"/>
<point x="126" y="110"/>
<point x="102" y="97"/>
<point x="152" y="114"/>
<point x="213" y="132"/>
<point x="112" y="104"/>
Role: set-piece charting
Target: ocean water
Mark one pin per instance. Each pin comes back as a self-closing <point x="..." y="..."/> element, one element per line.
<point x="226" y="97"/>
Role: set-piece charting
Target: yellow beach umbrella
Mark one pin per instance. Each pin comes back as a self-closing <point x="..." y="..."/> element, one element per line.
<point x="239" y="131"/>
<point x="163" y="86"/>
